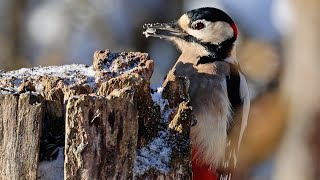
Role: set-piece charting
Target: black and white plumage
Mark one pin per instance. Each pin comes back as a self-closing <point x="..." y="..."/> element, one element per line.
<point x="206" y="38"/>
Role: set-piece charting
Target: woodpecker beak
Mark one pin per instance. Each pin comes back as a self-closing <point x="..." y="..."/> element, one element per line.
<point x="167" y="31"/>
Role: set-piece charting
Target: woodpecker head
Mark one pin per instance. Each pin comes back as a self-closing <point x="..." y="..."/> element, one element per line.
<point x="210" y="28"/>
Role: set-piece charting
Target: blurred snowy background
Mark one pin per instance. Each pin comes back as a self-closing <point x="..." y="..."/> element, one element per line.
<point x="58" y="32"/>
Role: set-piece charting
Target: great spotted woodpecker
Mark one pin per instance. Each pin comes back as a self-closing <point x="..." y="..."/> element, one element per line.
<point x="206" y="38"/>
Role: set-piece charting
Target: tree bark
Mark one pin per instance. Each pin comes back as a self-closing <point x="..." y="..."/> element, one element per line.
<point x="101" y="137"/>
<point x="20" y="127"/>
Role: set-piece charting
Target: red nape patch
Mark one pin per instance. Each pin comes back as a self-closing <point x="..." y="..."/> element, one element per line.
<point x="201" y="172"/>
<point x="235" y="30"/>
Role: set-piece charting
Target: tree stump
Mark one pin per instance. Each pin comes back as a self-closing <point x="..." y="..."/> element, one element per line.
<point x="110" y="122"/>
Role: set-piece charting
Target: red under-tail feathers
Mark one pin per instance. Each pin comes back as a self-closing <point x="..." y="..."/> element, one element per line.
<point x="202" y="172"/>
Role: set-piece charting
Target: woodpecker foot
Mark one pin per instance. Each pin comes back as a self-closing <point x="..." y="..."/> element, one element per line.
<point x="194" y="122"/>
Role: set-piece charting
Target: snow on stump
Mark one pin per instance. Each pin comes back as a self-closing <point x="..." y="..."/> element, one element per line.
<point x="109" y="121"/>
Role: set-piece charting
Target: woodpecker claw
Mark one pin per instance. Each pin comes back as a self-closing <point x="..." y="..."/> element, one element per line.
<point x="194" y="122"/>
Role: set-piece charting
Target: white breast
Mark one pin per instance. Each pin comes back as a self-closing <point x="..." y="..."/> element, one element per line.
<point x="209" y="99"/>
<point x="212" y="111"/>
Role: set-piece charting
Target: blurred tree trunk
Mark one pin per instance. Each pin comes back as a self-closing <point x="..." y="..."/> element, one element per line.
<point x="16" y="16"/>
<point x="298" y="157"/>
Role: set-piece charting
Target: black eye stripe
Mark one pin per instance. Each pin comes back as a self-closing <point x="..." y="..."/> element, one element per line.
<point x="217" y="51"/>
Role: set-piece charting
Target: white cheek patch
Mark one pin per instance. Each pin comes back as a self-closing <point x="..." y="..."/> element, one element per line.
<point x="213" y="33"/>
<point x="184" y="22"/>
<point x="190" y="48"/>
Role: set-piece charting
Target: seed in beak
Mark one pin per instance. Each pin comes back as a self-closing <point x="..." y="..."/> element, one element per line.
<point x="149" y="31"/>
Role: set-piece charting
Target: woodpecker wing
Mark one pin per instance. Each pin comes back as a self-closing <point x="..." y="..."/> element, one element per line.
<point x="238" y="95"/>
<point x="244" y="94"/>
<point x="233" y="89"/>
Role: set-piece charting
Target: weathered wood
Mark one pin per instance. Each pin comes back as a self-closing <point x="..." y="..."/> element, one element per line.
<point x="20" y="127"/>
<point x="101" y="137"/>
<point x="139" y="80"/>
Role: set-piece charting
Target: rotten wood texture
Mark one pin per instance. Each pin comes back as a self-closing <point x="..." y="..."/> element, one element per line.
<point x="20" y="127"/>
<point x="139" y="81"/>
<point x="103" y="115"/>
<point x="101" y="137"/>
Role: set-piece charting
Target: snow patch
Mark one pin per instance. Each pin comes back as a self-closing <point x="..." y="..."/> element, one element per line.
<point x="65" y="71"/>
<point x="71" y="74"/>
<point x="157" y="154"/>
<point x="119" y="63"/>
<point x="52" y="170"/>
<point x="157" y="98"/>
<point x="113" y="66"/>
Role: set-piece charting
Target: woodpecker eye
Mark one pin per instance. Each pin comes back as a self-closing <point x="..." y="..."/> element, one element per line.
<point x="198" y="26"/>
